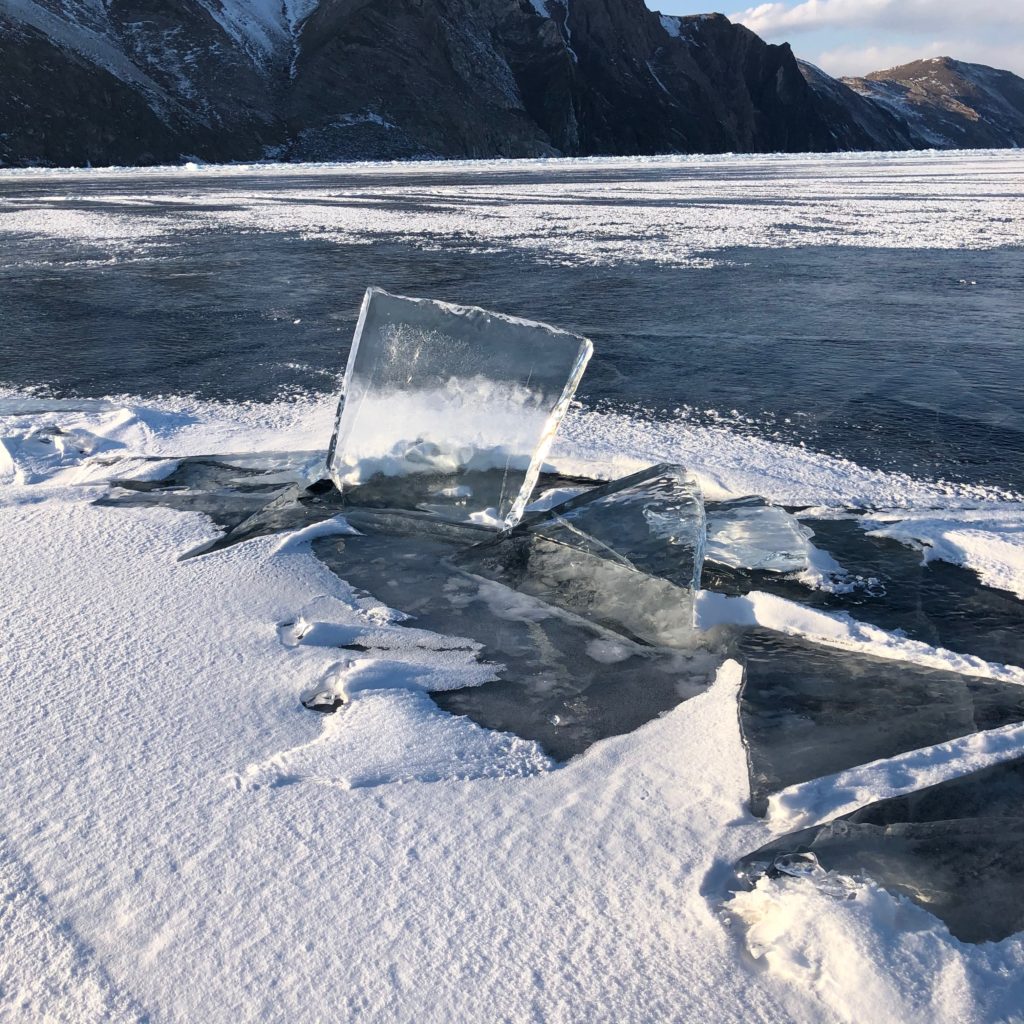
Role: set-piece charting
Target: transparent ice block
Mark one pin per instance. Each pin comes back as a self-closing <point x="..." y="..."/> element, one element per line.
<point x="748" y="533"/>
<point x="652" y="520"/>
<point x="434" y="390"/>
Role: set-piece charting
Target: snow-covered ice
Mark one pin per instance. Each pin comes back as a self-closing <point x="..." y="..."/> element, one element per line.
<point x="173" y="808"/>
<point x="180" y="840"/>
<point x="967" y="200"/>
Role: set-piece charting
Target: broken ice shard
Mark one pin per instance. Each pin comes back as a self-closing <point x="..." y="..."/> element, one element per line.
<point x="956" y="849"/>
<point x="626" y="555"/>
<point x="441" y="392"/>
<point x="653" y="520"/>
<point x="808" y="711"/>
<point x="560" y="680"/>
<point x="748" y="533"/>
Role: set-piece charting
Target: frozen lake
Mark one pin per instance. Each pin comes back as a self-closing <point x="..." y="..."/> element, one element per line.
<point x="868" y="307"/>
<point x="806" y="809"/>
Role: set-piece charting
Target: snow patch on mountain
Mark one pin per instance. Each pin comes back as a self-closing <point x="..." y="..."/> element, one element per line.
<point x="671" y="24"/>
<point x="263" y="27"/>
<point x="85" y="31"/>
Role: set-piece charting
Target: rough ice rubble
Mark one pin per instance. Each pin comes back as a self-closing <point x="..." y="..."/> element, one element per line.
<point x="582" y="574"/>
<point x="385" y="682"/>
<point x="872" y="200"/>
<point x="767" y="610"/>
<point x="749" y="535"/>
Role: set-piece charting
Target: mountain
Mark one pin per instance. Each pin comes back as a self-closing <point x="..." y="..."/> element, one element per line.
<point x="949" y="103"/>
<point x="852" y="116"/>
<point x="152" y="81"/>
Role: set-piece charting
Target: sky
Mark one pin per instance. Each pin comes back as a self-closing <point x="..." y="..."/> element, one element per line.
<point x="853" y="37"/>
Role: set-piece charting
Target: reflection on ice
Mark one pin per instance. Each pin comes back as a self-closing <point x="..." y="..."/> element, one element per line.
<point x="433" y="388"/>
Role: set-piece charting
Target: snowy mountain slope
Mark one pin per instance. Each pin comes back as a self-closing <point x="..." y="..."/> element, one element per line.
<point x="129" y="80"/>
<point x="144" y="81"/>
<point x="852" y="115"/>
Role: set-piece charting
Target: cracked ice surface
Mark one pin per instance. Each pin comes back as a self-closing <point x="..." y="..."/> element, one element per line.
<point x="167" y="802"/>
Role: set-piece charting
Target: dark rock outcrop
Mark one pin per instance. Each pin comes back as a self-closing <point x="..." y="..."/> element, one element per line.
<point x="851" y="116"/>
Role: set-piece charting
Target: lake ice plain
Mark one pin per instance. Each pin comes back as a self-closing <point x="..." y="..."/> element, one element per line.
<point x="899" y="415"/>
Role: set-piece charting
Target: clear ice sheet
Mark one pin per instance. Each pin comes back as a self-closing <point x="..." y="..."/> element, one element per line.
<point x="956" y="849"/>
<point x="808" y="711"/>
<point x="437" y="389"/>
<point x="591" y="659"/>
<point x="652" y="520"/>
<point x="626" y="555"/>
<point x="563" y="681"/>
<point x="227" y="488"/>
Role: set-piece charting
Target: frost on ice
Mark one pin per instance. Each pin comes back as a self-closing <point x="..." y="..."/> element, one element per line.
<point x="751" y="534"/>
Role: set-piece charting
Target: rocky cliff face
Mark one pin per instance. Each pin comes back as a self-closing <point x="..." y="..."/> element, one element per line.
<point x="851" y="116"/>
<point x="146" y="81"/>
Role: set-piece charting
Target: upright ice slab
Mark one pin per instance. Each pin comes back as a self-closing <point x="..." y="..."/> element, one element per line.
<point x="625" y="555"/>
<point x="458" y="398"/>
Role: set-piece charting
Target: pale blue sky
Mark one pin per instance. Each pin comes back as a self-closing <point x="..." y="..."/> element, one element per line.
<point x="853" y="37"/>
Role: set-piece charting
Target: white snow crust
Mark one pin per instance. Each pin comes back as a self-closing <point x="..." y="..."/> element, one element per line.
<point x="181" y="840"/>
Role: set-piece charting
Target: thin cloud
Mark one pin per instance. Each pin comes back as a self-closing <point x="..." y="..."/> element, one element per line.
<point x="856" y="61"/>
<point x="888" y="15"/>
<point x="854" y="37"/>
